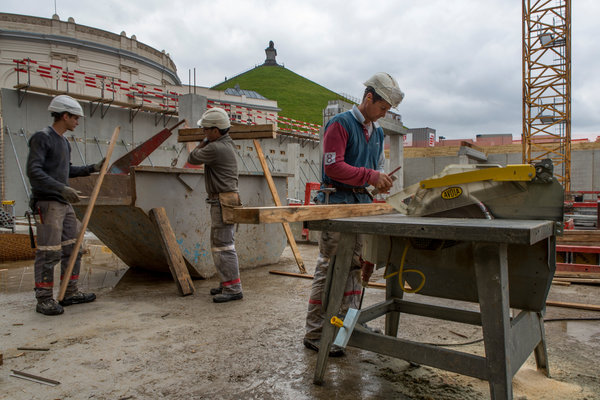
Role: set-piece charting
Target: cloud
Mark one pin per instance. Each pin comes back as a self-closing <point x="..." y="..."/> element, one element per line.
<point x="458" y="62"/>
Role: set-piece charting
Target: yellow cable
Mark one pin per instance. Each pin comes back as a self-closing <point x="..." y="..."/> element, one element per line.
<point x="401" y="271"/>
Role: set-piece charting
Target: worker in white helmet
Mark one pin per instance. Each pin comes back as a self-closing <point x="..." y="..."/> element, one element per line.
<point x="49" y="169"/>
<point x="217" y="153"/>
<point x="352" y="159"/>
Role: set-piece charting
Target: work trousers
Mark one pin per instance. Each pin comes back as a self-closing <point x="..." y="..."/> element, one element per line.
<point x="223" y="251"/>
<point x="327" y="248"/>
<point x="57" y="229"/>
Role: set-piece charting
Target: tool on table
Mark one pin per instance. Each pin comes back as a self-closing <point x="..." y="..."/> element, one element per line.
<point x="391" y="174"/>
<point x="485" y="191"/>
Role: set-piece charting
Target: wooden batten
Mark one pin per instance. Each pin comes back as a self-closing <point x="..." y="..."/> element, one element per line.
<point x="237" y="132"/>
<point x="267" y="215"/>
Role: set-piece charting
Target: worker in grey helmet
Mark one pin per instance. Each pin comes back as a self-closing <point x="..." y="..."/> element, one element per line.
<point x="49" y="169"/>
<point x="217" y="153"/>
<point x="352" y="159"/>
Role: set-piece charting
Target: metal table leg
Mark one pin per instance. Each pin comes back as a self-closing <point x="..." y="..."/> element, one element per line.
<point x="336" y="281"/>
<point x="491" y="270"/>
<point x="393" y="290"/>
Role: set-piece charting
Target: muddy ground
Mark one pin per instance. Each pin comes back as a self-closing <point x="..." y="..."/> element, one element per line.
<point x="141" y="340"/>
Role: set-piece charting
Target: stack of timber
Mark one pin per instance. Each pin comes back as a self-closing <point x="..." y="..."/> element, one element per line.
<point x="237" y="132"/>
<point x="580" y="237"/>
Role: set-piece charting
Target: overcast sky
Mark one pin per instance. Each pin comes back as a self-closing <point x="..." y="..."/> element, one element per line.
<point x="458" y="62"/>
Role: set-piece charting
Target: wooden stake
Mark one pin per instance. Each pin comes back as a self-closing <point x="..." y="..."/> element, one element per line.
<point x="580" y="306"/>
<point x="87" y="215"/>
<point x="286" y="226"/>
<point x="172" y="253"/>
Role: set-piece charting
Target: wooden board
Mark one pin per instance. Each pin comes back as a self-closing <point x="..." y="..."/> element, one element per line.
<point x="237" y="132"/>
<point x="580" y="306"/>
<point x="587" y="237"/>
<point x="172" y="253"/>
<point x="266" y="215"/>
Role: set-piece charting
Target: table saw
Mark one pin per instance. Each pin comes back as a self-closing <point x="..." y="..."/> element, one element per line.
<point x="501" y="256"/>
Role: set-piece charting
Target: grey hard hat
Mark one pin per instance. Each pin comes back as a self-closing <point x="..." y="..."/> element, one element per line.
<point x="215" y="117"/>
<point x="387" y="87"/>
<point x="64" y="103"/>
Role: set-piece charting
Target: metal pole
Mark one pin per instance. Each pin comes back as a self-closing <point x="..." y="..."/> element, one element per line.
<point x="77" y="147"/>
<point x="243" y="162"/>
<point x="98" y="144"/>
<point x="18" y="163"/>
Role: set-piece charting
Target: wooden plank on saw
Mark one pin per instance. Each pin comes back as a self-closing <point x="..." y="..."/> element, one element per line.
<point x="265" y="215"/>
<point x="237" y="132"/>
<point x="172" y="252"/>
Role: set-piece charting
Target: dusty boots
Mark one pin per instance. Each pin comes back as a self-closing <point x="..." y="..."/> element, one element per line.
<point x="49" y="307"/>
<point x="77" y="298"/>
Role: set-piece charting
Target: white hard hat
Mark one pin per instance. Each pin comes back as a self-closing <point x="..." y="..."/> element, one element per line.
<point x="215" y="118"/>
<point x="386" y="87"/>
<point x="64" y="103"/>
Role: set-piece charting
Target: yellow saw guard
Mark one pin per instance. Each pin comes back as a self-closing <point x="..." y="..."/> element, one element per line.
<point x="510" y="191"/>
<point x="498" y="174"/>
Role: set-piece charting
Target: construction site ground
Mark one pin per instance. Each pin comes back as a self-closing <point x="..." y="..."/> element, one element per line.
<point x="141" y="340"/>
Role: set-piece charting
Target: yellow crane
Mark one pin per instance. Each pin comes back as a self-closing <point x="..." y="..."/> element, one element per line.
<point x="547" y="85"/>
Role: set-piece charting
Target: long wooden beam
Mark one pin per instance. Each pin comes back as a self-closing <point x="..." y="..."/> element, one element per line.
<point x="237" y="132"/>
<point x="277" y="201"/>
<point x="267" y="215"/>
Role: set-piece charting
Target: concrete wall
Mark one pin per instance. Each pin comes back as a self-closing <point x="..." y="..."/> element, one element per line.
<point x="33" y="115"/>
<point x="285" y="154"/>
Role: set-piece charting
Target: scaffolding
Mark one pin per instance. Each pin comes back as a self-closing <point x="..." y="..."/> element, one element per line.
<point x="547" y="85"/>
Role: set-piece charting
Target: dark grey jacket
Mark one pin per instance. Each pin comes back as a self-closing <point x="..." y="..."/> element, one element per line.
<point x="221" y="172"/>
<point x="49" y="165"/>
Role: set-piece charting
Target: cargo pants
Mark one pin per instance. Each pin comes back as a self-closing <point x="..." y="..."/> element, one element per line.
<point x="223" y="250"/>
<point x="57" y="229"/>
<point x="327" y="248"/>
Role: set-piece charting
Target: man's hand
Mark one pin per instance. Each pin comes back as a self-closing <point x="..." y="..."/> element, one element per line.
<point x="384" y="183"/>
<point x="98" y="165"/>
<point x="70" y="194"/>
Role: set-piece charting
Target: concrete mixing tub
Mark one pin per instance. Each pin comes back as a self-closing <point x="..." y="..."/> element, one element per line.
<point x="121" y="217"/>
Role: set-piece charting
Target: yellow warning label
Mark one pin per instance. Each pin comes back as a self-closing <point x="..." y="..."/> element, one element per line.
<point x="451" y="193"/>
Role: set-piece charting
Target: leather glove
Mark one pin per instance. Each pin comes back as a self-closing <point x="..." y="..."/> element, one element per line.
<point x="70" y="194"/>
<point x="98" y="165"/>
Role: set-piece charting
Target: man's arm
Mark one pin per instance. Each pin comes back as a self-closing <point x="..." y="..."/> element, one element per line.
<point x="202" y="154"/>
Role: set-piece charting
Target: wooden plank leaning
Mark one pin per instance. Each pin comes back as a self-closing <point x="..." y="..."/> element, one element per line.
<point x="286" y="226"/>
<point x="87" y="215"/>
<point x="172" y="252"/>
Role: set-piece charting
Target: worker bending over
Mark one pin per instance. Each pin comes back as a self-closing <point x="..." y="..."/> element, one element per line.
<point x="217" y="153"/>
<point x="352" y="159"/>
<point x="49" y="169"/>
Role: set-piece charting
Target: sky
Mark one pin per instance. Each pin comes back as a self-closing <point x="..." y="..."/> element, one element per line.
<point x="458" y="62"/>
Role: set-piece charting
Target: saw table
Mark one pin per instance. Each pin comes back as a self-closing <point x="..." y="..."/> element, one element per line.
<point x="499" y="264"/>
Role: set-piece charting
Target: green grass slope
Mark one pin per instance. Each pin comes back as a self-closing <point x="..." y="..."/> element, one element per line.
<point x="298" y="97"/>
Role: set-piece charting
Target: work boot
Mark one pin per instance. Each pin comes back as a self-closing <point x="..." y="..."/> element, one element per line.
<point x="225" y="297"/>
<point x="217" y="290"/>
<point x="334" y="351"/>
<point x="78" y="298"/>
<point x="49" y="307"/>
